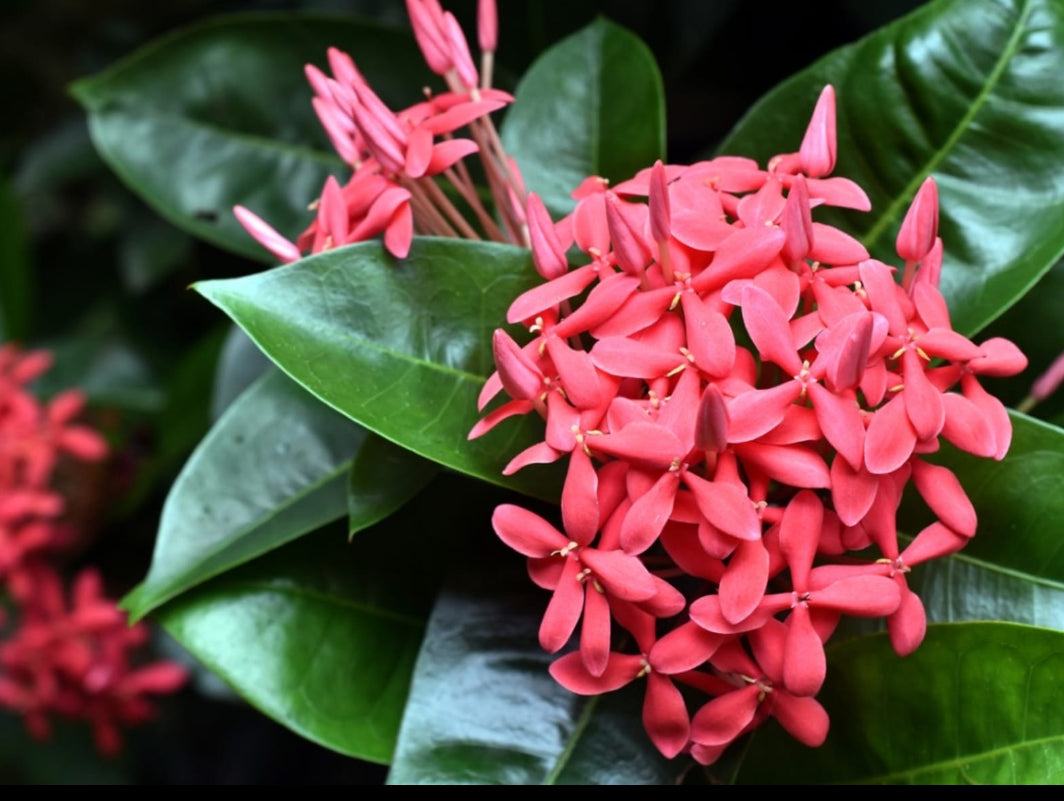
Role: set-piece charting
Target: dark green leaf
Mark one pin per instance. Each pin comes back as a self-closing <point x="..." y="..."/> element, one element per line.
<point x="16" y="285"/>
<point x="591" y="105"/>
<point x="272" y="468"/>
<point x="966" y="91"/>
<point x="220" y="114"/>
<point x="402" y="348"/>
<point x="959" y="589"/>
<point x="321" y="635"/>
<point x="239" y="364"/>
<point x="383" y="477"/>
<point x="106" y="368"/>
<point x="484" y="710"/>
<point x="978" y="703"/>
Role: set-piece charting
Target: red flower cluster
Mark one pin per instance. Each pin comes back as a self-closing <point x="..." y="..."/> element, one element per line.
<point x="396" y="156"/>
<point x="742" y="394"/>
<point x="76" y="661"/>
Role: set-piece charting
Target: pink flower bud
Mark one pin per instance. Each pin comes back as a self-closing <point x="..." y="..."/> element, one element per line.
<point x="920" y="226"/>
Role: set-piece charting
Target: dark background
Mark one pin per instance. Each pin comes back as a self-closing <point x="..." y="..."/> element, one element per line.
<point x="109" y="277"/>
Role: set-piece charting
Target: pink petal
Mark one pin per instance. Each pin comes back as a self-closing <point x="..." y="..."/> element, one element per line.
<point x="563" y="611"/>
<point x="595" y="632"/>
<point x="799" y="535"/>
<point x="767" y="325"/>
<point x="569" y="671"/>
<point x="648" y="514"/>
<point x="852" y="491"/>
<point x="726" y="506"/>
<point x="804" y="666"/>
<point x="743" y="585"/>
<point x="547" y="297"/>
<point x="939" y="487"/>
<point x="622" y="575"/>
<point x="526" y="532"/>
<point x="835" y="247"/>
<point x="790" y="464"/>
<point x="266" y="235"/>
<point x="540" y="453"/>
<point x="665" y="716"/>
<point x="908" y="624"/>
<point x="803" y="718"/>
<point x="684" y="648"/>
<point x="841" y="422"/>
<point x="890" y="439"/>
<point x="817" y="151"/>
<point x="923" y="401"/>
<point x="933" y="542"/>
<point x="709" y="336"/>
<point x="967" y="426"/>
<point x="723" y="719"/>
<point x="920" y="226"/>
<point x="753" y="414"/>
<point x="862" y="596"/>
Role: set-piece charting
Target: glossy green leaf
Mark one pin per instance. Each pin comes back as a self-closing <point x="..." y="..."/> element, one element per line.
<point x="220" y="114"/>
<point x="239" y="364"/>
<point x="382" y="478"/>
<point x="484" y="710"/>
<point x="959" y="589"/>
<point x="966" y="91"/>
<point x="401" y="347"/>
<point x="320" y="635"/>
<point x="272" y="468"/>
<point x="15" y="275"/>
<point x="978" y="703"/>
<point x="1019" y="502"/>
<point x="591" y="105"/>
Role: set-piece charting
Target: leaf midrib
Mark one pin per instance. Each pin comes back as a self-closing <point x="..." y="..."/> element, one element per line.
<point x="241" y="535"/>
<point x="937" y="156"/>
<point x="888" y="778"/>
<point x="322" y="597"/>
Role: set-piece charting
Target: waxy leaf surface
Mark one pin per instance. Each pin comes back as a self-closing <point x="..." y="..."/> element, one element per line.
<point x="484" y="710"/>
<point x="219" y="114"/>
<point x="272" y="468"/>
<point x="966" y="91"/>
<point x="591" y="105"/>
<point x="401" y="347"/>
<point x="320" y="635"/>
<point x="978" y="703"/>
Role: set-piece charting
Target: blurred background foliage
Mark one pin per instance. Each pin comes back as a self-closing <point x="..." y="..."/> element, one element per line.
<point x="88" y="270"/>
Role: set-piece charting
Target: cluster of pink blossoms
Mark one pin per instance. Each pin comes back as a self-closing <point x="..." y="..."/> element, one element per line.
<point x="75" y="659"/>
<point x="729" y="498"/>
<point x="399" y="159"/>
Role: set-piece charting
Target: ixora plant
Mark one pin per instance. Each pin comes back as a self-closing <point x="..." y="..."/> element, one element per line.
<point x="734" y="415"/>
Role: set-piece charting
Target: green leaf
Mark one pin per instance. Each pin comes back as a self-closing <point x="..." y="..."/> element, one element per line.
<point x="272" y="468"/>
<point x="484" y="710"/>
<point x="978" y="703"/>
<point x="320" y="635"/>
<point x="962" y="90"/>
<point x="402" y="348"/>
<point x="15" y="275"/>
<point x="219" y="114"/>
<point x="239" y="364"/>
<point x="383" y="477"/>
<point x="591" y="105"/>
